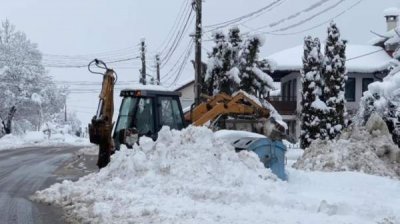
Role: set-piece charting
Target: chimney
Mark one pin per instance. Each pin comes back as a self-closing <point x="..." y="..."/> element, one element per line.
<point x="392" y="17"/>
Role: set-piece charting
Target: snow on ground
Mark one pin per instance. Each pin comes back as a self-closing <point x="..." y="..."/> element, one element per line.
<point x="190" y="176"/>
<point x="367" y="149"/>
<point x="35" y="138"/>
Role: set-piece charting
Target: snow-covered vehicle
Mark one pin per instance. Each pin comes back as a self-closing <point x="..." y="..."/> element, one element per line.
<point x="146" y="109"/>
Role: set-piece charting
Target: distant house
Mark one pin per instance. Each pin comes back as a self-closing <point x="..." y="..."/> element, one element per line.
<point x="187" y="90"/>
<point x="365" y="64"/>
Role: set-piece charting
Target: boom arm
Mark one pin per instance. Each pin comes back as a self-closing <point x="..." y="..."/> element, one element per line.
<point x="101" y="126"/>
<point x="223" y="104"/>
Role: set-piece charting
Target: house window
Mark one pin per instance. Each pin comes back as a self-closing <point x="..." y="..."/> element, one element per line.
<point x="365" y="83"/>
<point x="350" y="90"/>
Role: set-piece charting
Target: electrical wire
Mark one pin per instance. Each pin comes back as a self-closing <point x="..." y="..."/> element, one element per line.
<point x="310" y="28"/>
<point x="164" y="60"/>
<point x="220" y="25"/>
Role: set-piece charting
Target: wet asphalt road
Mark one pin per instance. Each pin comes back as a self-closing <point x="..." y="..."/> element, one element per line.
<point x="26" y="170"/>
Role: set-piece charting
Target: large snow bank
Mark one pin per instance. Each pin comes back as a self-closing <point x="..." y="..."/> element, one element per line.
<point x="368" y="149"/>
<point x="168" y="181"/>
<point x="192" y="177"/>
<point x="35" y="138"/>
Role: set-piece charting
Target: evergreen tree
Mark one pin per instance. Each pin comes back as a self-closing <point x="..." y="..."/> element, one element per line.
<point x="218" y="67"/>
<point x="253" y="80"/>
<point x="313" y="108"/>
<point x="334" y="73"/>
<point x="235" y="40"/>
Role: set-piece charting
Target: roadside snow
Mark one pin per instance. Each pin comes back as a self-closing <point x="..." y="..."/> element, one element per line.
<point x="367" y="149"/>
<point x="34" y="138"/>
<point x="190" y="176"/>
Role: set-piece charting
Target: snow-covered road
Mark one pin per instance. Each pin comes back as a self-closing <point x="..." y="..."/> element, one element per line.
<point x="24" y="171"/>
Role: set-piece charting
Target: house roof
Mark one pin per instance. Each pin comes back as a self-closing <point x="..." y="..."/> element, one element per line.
<point x="379" y="40"/>
<point x="184" y="85"/>
<point x="360" y="59"/>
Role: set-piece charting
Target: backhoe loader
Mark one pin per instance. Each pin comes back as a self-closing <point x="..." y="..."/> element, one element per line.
<point x="145" y="110"/>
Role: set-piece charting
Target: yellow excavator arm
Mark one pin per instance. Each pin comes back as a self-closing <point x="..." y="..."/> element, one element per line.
<point x="223" y="104"/>
<point x="101" y="125"/>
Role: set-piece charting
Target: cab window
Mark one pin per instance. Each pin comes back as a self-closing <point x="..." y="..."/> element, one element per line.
<point x="170" y="113"/>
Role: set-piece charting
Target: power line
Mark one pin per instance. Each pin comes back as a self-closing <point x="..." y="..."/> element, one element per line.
<point x="177" y="41"/>
<point x="363" y="55"/>
<point x="296" y="14"/>
<point x="178" y="20"/>
<point x="307" y="29"/>
<point x="169" y="73"/>
<point x="238" y="19"/>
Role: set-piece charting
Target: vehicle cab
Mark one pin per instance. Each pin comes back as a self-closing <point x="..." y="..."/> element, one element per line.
<point x="144" y="111"/>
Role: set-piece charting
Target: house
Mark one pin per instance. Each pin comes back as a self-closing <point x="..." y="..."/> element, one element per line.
<point x="365" y="64"/>
<point x="187" y="90"/>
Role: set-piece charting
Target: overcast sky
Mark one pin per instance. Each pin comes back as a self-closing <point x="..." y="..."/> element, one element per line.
<point x="114" y="28"/>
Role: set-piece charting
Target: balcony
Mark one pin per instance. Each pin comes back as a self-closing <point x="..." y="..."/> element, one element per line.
<point x="284" y="105"/>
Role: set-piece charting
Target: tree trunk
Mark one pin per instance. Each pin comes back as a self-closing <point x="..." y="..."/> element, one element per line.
<point x="8" y="121"/>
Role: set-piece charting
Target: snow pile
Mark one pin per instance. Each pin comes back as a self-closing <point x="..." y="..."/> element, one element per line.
<point x="35" y="138"/>
<point x="172" y="180"/>
<point x="368" y="149"/>
<point x="192" y="177"/>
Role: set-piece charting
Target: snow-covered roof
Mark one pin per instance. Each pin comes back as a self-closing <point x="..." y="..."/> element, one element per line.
<point x="393" y="11"/>
<point x="360" y="58"/>
<point x="183" y="84"/>
<point x="382" y="38"/>
<point x="148" y="87"/>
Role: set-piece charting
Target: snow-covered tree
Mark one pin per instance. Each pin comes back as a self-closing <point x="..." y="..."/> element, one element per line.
<point x="334" y="73"/>
<point x="253" y="79"/>
<point x="27" y="93"/>
<point x="233" y="65"/>
<point x="235" y="40"/>
<point x="383" y="97"/>
<point x="219" y="64"/>
<point x="313" y="108"/>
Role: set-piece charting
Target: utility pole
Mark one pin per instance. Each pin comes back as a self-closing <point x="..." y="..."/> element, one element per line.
<point x="143" y="58"/>
<point x="198" y="64"/>
<point x="158" y="68"/>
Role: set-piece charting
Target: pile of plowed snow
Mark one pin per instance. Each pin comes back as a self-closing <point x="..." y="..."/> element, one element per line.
<point x="190" y="176"/>
<point x="171" y="180"/>
<point x="368" y="149"/>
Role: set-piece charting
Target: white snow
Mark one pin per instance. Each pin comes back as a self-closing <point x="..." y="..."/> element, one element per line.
<point x="319" y="104"/>
<point x="148" y="87"/>
<point x="367" y="149"/>
<point x="233" y="135"/>
<point x="192" y="177"/>
<point x="264" y="77"/>
<point x="291" y="59"/>
<point x="234" y="75"/>
<point x="392" y="11"/>
<point x="35" y="138"/>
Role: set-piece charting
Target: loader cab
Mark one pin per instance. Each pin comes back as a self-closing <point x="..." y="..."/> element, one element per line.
<point x="143" y="112"/>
